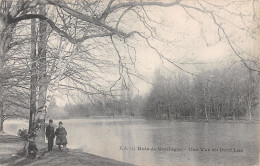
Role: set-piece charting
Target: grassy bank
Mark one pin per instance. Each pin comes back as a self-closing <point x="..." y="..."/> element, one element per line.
<point x="11" y="145"/>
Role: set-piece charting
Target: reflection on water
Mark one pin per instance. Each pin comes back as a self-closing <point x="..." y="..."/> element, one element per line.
<point x="120" y="139"/>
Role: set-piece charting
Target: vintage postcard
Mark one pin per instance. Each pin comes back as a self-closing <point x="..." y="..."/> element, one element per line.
<point x="129" y="82"/>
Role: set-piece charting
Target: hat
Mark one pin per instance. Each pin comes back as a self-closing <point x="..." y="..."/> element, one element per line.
<point x="60" y="122"/>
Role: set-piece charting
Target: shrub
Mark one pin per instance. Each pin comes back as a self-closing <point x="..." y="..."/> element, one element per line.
<point x="23" y="133"/>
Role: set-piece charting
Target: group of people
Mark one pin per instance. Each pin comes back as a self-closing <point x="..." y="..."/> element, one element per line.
<point x="60" y="134"/>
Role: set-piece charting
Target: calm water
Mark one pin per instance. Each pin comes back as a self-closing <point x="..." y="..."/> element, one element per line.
<point x="181" y="141"/>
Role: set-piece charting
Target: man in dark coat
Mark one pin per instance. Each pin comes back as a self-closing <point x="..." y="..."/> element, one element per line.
<point x="50" y="135"/>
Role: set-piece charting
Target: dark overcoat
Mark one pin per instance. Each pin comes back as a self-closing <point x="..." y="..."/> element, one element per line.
<point x="50" y="132"/>
<point x="61" y="136"/>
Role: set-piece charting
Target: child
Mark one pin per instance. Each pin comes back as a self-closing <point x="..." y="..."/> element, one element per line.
<point x="61" y="134"/>
<point x="50" y="135"/>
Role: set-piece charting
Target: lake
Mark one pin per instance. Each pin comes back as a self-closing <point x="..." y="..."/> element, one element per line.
<point x="163" y="143"/>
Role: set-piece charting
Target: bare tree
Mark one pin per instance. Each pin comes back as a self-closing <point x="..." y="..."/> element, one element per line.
<point x="33" y="82"/>
<point x="87" y="22"/>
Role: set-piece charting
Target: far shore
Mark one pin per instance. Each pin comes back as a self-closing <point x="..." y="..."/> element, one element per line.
<point x="187" y="119"/>
<point x="11" y="146"/>
<point x="255" y="120"/>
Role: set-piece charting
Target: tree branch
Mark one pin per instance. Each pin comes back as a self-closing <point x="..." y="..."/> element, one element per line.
<point x="57" y="29"/>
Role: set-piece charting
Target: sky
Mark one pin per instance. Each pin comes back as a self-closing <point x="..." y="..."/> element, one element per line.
<point x="190" y="40"/>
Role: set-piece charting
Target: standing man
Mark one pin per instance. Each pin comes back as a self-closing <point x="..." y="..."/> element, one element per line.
<point x="50" y="135"/>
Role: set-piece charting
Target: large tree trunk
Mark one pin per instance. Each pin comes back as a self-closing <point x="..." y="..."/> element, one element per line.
<point x="43" y="82"/>
<point x="2" y="55"/>
<point x="1" y="86"/>
<point x="6" y="31"/>
<point x="33" y="83"/>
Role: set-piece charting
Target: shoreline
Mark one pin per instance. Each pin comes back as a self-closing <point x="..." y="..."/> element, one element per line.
<point x="10" y="146"/>
<point x="187" y="119"/>
<point x="224" y="120"/>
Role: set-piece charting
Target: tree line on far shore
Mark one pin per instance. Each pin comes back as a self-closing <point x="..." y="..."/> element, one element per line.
<point x="230" y="93"/>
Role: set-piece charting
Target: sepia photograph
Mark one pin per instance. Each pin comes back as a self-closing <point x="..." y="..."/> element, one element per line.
<point x="129" y="82"/>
